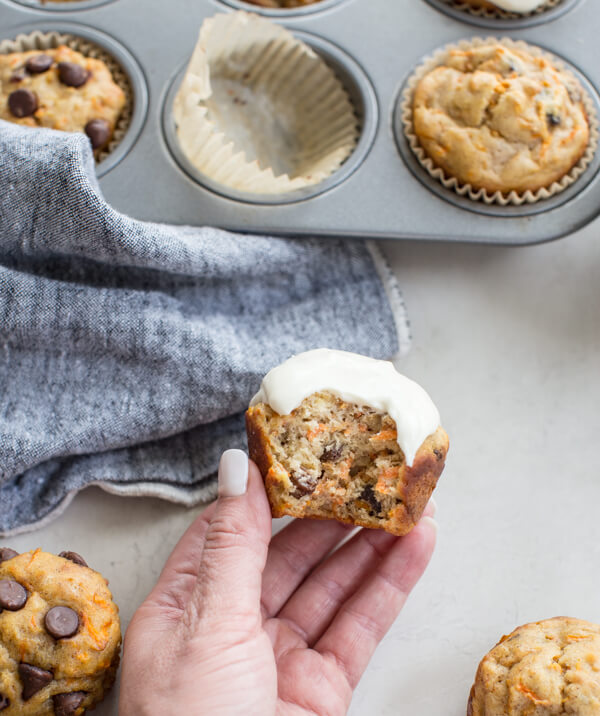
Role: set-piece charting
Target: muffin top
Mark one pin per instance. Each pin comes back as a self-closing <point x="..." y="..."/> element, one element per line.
<point x="500" y="119"/>
<point x="59" y="634"/>
<point x="62" y="89"/>
<point x="545" y="668"/>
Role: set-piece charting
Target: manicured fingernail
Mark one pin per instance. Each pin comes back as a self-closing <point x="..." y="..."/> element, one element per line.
<point x="432" y="522"/>
<point x="233" y="473"/>
<point x="433" y="504"/>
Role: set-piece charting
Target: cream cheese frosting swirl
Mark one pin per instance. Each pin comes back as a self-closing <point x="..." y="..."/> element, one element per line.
<point x="520" y="6"/>
<point x="355" y="379"/>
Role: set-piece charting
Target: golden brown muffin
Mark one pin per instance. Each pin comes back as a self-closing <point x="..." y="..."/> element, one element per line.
<point x="501" y="119"/>
<point x="330" y="459"/>
<point x="61" y="89"/>
<point x="547" y="668"/>
<point x="60" y="635"/>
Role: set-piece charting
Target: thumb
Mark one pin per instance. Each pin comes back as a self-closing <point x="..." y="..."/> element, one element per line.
<point x="235" y="546"/>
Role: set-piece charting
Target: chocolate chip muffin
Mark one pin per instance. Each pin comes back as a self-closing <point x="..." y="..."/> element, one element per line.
<point x="545" y="668"/>
<point x="60" y="89"/>
<point x="498" y="118"/>
<point x="60" y="635"/>
<point x="332" y="459"/>
<point x="520" y="7"/>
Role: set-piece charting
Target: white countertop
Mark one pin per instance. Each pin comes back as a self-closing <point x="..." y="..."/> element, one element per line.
<point x="507" y="342"/>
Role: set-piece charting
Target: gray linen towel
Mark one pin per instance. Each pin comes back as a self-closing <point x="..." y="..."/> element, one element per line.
<point x="129" y="350"/>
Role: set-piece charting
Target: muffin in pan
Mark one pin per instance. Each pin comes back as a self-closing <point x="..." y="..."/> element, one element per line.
<point x="282" y="3"/>
<point x="499" y="120"/>
<point x="543" y="668"/>
<point x="60" y="635"/>
<point x="64" y="82"/>
<point x="342" y="436"/>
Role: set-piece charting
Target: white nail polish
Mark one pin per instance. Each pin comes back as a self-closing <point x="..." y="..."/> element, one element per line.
<point x="233" y="473"/>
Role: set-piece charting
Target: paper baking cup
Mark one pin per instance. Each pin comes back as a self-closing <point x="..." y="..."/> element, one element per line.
<point x="51" y="40"/>
<point x="498" y="13"/>
<point x="259" y="111"/>
<point x="514" y="198"/>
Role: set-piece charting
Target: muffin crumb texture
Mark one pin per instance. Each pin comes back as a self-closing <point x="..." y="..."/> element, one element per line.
<point x="60" y="635"/>
<point x="500" y="119"/>
<point x="332" y="459"/>
<point x="547" y="668"/>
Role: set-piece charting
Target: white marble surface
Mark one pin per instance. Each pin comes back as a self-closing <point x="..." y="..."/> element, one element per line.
<point x="507" y="341"/>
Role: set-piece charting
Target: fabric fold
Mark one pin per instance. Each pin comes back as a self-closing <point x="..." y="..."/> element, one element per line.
<point x="128" y="350"/>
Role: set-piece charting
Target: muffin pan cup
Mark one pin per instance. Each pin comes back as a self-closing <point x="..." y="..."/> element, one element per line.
<point x="374" y="47"/>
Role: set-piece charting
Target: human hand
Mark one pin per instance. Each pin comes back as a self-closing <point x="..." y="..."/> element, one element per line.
<point x="240" y="623"/>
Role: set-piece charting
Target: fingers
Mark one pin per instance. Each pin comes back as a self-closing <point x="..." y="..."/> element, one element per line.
<point x="364" y="619"/>
<point x="293" y="553"/>
<point x="235" y="547"/>
<point x="180" y="573"/>
<point x="318" y="599"/>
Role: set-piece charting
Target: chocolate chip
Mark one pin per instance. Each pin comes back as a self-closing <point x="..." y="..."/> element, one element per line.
<point x="438" y="453"/>
<point x="17" y="76"/>
<point x="74" y="557"/>
<point x="38" y="64"/>
<point x="67" y="704"/>
<point x="305" y="482"/>
<point x="12" y="595"/>
<point x="72" y="75"/>
<point x="368" y="495"/>
<point x="7" y="553"/>
<point x="4" y="702"/>
<point x="98" y="130"/>
<point x="332" y="452"/>
<point x="33" y="679"/>
<point x="61" y="622"/>
<point x="553" y="119"/>
<point x="22" y="103"/>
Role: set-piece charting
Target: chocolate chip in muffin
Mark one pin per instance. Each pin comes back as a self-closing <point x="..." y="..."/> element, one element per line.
<point x="17" y="76"/>
<point x="74" y="557"/>
<point x="13" y="596"/>
<point x="305" y="482"/>
<point x="33" y="679"/>
<point x="62" y="622"/>
<point x="332" y="453"/>
<point x="72" y="75"/>
<point x="67" y="704"/>
<point x="7" y="553"/>
<point x="22" y="103"/>
<point x="368" y="495"/>
<point x="38" y="64"/>
<point x="98" y="130"/>
<point x="4" y="702"/>
<point x="553" y="119"/>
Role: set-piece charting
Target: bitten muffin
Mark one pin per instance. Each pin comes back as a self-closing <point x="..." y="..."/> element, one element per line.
<point x="60" y="635"/>
<point x="60" y="89"/>
<point x="340" y="458"/>
<point x="545" y="668"/>
<point x="500" y="119"/>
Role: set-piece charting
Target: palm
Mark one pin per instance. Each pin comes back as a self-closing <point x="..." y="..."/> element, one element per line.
<point x="242" y="623"/>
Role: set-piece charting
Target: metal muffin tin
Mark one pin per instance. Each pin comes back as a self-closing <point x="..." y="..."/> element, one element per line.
<point x="374" y="45"/>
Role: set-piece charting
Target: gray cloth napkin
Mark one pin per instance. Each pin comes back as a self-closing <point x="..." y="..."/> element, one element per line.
<point x="129" y="350"/>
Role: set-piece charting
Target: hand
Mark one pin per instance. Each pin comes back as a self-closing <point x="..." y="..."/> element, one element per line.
<point x="240" y="623"/>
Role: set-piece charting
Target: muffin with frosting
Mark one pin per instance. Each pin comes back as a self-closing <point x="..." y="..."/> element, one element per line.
<point x="500" y="117"/>
<point x="341" y="436"/>
<point x="521" y="7"/>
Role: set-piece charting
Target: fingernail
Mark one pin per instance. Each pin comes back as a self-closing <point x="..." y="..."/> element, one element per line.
<point x="233" y="473"/>
<point x="431" y="522"/>
<point x="433" y="504"/>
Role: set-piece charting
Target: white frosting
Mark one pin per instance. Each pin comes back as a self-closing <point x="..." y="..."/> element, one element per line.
<point x="355" y="379"/>
<point x="521" y="6"/>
